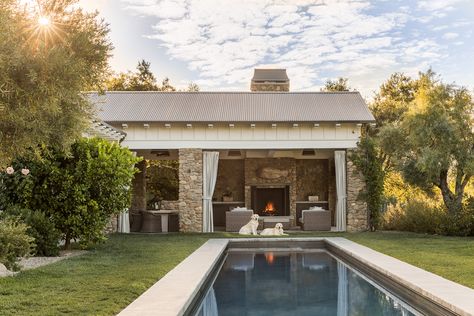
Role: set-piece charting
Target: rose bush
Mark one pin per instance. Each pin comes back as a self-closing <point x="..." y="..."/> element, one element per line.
<point x="78" y="192"/>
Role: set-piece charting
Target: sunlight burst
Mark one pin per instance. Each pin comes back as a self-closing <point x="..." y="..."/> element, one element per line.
<point x="44" y="21"/>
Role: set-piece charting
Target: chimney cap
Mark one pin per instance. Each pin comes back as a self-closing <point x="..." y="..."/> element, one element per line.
<point x="270" y="75"/>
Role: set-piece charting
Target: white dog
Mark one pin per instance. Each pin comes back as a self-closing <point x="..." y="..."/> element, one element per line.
<point x="276" y="231"/>
<point x="250" y="227"/>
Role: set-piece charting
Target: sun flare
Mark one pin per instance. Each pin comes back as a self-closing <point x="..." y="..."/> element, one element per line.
<point x="44" y="21"/>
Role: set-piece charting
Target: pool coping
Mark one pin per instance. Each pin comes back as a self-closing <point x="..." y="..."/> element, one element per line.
<point x="174" y="293"/>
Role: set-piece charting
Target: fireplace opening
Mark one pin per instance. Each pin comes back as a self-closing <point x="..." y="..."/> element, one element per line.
<point x="269" y="209"/>
<point x="271" y="201"/>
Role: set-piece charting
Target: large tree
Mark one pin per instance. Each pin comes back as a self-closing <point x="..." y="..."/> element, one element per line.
<point x="49" y="52"/>
<point x="388" y="106"/>
<point x="142" y="79"/>
<point x="433" y="144"/>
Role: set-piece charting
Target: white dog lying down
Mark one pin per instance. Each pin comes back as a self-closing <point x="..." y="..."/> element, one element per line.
<point x="250" y="227"/>
<point x="276" y="231"/>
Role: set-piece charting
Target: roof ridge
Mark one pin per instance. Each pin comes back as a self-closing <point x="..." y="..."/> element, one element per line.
<point x="224" y="92"/>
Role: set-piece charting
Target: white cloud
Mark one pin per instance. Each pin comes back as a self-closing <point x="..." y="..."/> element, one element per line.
<point x="450" y="35"/>
<point x="224" y="40"/>
<point x="438" y="5"/>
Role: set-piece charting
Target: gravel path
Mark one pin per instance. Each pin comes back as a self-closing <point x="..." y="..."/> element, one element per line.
<point x="36" y="262"/>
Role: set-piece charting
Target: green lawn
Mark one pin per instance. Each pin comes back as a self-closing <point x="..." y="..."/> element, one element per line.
<point x="108" y="278"/>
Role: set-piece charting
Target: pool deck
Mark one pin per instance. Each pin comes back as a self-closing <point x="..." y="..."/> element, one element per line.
<point x="174" y="293"/>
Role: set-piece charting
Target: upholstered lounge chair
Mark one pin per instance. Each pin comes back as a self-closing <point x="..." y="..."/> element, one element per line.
<point x="316" y="220"/>
<point x="234" y="220"/>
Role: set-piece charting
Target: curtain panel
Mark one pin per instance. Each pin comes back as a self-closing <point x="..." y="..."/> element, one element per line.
<point x="340" y="166"/>
<point x="210" y="161"/>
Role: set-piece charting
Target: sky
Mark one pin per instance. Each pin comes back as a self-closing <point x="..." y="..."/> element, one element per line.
<point x="217" y="44"/>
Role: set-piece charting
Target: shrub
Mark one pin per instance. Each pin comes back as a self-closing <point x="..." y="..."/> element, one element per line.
<point x="422" y="217"/>
<point x="78" y="192"/>
<point x="40" y="227"/>
<point x="414" y="216"/>
<point x="14" y="243"/>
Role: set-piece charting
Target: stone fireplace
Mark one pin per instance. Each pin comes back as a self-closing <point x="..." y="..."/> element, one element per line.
<point x="271" y="200"/>
<point x="271" y="173"/>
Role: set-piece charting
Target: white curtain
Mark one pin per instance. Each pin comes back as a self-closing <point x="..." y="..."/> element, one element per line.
<point x="210" y="161"/>
<point x="340" y="164"/>
<point x="342" y="295"/>
<point x="124" y="222"/>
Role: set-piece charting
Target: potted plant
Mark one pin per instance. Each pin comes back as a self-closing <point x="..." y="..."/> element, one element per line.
<point x="227" y="196"/>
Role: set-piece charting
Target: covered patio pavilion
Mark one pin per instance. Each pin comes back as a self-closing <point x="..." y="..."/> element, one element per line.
<point x="234" y="147"/>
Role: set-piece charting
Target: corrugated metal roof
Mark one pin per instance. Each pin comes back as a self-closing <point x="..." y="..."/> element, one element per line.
<point x="270" y="75"/>
<point x="231" y="107"/>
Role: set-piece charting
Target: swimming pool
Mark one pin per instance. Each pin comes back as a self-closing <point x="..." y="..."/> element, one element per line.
<point x="298" y="282"/>
<point x="298" y="276"/>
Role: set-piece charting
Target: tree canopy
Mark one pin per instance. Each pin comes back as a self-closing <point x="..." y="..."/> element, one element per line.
<point x="340" y="84"/>
<point x="43" y="68"/>
<point x="142" y="79"/>
<point x="435" y="141"/>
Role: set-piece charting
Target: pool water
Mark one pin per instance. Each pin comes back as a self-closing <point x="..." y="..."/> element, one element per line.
<point x="295" y="283"/>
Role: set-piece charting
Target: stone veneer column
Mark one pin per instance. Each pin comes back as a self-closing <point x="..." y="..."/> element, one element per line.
<point x="190" y="190"/>
<point x="357" y="216"/>
<point x="139" y="188"/>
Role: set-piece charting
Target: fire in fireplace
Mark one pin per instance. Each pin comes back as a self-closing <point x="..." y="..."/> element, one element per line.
<point x="271" y="200"/>
<point x="269" y="209"/>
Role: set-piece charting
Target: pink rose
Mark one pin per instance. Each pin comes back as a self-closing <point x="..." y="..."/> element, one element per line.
<point x="10" y="170"/>
<point x="25" y="171"/>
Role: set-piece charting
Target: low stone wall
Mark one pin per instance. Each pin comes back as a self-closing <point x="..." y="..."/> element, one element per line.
<point x="357" y="215"/>
<point x="112" y="225"/>
<point x="190" y="190"/>
<point x="169" y="205"/>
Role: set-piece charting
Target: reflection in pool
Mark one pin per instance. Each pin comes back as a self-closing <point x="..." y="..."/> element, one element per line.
<point x="295" y="283"/>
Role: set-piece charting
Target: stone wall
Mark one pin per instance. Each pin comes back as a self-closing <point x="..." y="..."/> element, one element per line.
<point x="253" y="167"/>
<point x="169" y="205"/>
<point x="284" y="87"/>
<point x="190" y="190"/>
<point x="139" y="188"/>
<point x="112" y="225"/>
<point x="312" y="177"/>
<point x="357" y="216"/>
<point x="230" y="176"/>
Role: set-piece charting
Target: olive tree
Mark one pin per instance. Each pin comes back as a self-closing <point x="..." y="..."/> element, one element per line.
<point x="49" y="52"/>
<point x="433" y="144"/>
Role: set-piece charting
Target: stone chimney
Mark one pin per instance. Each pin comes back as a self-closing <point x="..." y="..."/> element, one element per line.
<point x="270" y="80"/>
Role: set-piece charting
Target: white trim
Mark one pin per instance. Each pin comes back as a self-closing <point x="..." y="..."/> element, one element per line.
<point x="260" y="144"/>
